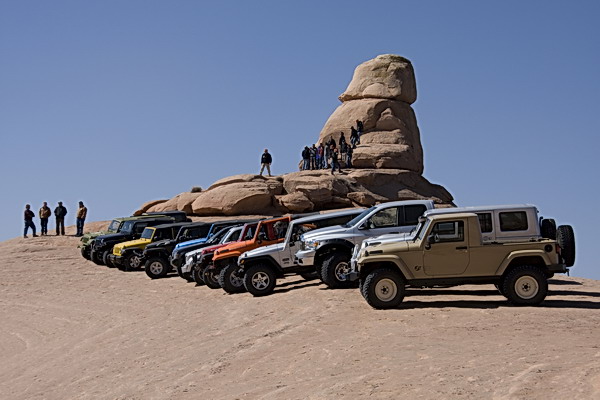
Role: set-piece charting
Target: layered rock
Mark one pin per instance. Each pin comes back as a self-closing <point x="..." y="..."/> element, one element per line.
<point x="388" y="163"/>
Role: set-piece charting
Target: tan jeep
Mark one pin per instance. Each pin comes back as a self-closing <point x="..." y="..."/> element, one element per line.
<point x="448" y="249"/>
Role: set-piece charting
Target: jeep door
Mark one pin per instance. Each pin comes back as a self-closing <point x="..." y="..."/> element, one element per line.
<point x="448" y="250"/>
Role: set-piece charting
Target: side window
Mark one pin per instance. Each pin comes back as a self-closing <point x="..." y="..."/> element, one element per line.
<point x="384" y="218"/>
<point x="139" y="228"/>
<point x="451" y="231"/>
<point x="412" y="214"/>
<point x="279" y="229"/>
<point x="485" y="222"/>
<point x="513" y="221"/>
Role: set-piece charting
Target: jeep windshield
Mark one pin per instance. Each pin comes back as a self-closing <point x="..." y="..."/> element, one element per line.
<point x="127" y="227"/>
<point x="194" y="232"/>
<point x="114" y="226"/>
<point x="216" y="238"/>
<point x="148" y="233"/>
<point x="420" y="229"/>
<point x="356" y="219"/>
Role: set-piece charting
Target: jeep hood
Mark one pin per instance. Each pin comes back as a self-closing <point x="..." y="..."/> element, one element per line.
<point x="161" y="243"/>
<point x="133" y="244"/>
<point x="265" y="250"/>
<point x="112" y="237"/>
<point x="237" y="246"/>
<point x="389" y="247"/>
<point x="190" y="243"/>
<point x="330" y="230"/>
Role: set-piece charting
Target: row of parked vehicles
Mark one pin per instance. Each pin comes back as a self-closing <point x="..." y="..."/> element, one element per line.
<point x="381" y="250"/>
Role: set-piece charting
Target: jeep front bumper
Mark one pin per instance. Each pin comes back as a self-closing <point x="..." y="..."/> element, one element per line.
<point x="305" y="257"/>
<point x="117" y="261"/>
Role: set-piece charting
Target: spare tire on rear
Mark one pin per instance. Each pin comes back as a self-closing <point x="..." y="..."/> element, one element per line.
<point x="566" y="240"/>
<point x="548" y="228"/>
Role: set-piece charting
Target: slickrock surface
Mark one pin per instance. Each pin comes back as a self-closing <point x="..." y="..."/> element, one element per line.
<point x="74" y="330"/>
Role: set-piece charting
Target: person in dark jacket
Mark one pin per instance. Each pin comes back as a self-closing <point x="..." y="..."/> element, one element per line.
<point x="335" y="161"/>
<point x="354" y="137"/>
<point x="313" y="157"/>
<point x="81" y="214"/>
<point x="29" y="215"/>
<point x="349" y="152"/>
<point x="45" y="213"/>
<point x="265" y="161"/>
<point x="343" y="146"/>
<point x="60" y="213"/>
<point x="360" y="129"/>
<point x="305" y="158"/>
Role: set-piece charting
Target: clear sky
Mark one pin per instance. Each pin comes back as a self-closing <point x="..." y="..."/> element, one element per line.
<point x="120" y="102"/>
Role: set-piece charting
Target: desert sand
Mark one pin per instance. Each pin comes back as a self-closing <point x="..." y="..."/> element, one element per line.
<point x="73" y="330"/>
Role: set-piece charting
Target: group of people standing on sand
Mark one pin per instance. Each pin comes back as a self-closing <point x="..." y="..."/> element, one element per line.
<point x="60" y="212"/>
<point x="330" y="154"/>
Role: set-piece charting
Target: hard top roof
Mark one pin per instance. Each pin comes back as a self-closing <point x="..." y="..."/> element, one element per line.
<point x="171" y="225"/>
<point x="402" y="203"/>
<point x="472" y="209"/>
<point x="334" y="214"/>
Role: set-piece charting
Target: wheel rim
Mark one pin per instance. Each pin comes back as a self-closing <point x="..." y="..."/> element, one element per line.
<point x="210" y="276"/>
<point x="156" y="268"/>
<point x="526" y="287"/>
<point x="260" y="280"/>
<point x="386" y="289"/>
<point x="236" y="280"/>
<point x="341" y="270"/>
<point x="135" y="262"/>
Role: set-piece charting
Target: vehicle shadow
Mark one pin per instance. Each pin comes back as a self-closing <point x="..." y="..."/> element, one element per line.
<point x="578" y="304"/>
<point x="555" y="281"/>
<point x="295" y="286"/>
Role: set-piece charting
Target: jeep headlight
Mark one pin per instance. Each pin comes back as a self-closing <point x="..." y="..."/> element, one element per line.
<point x="312" y="244"/>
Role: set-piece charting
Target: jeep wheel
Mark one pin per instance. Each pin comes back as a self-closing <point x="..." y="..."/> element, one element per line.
<point x="96" y="257"/>
<point x="525" y="285"/>
<point x="565" y="237"/>
<point x="230" y="280"/>
<point x="85" y="252"/>
<point x="156" y="268"/>
<point x="548" y="229"/>
<point x="334" y="270"/>
<point x="132" y="261"/>
<point x="383" y="288"/>
<point x="260" y="280"/>
<point x="196" y="275"/>
<point x="211" y="278"/>
<point x="309" y="276"/>
<point x="106" y="259"/>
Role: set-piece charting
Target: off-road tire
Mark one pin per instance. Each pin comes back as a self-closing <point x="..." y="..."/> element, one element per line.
<point x="156" y="268"/>
<point x="85" y="253"/>
<point x="565" y="237"/>
<point x="229" y="281"/>
<point x="210" y="278"/>
<point x="334" y="265"/>
<point x="106" y="259"/>
<point x="260" y="280"/>
<point x="196" y="274"/>
<point x="383" y="288"/>
<point x="96" y="258"/>
<point x="525" y="285"/>
<point x="548" y="228"/>
<point x="309" y="276"/>
<point x="132" y="262"/>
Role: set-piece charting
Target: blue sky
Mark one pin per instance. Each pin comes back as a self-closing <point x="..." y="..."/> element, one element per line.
<point x="120" y="102"/>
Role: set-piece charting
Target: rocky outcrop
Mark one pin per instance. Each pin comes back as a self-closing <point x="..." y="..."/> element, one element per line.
<point x="388" y="163"/>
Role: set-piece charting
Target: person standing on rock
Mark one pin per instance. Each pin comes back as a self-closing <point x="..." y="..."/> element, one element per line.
<point x="353" y="137"/>
<point x="319" y="156"/>
<point x="60" y="212"/>
<point x="343" y="145"/>
<point x="305" y="158"/>
<point x="313" y="157"/>
<point x="349" y="152"/>
<point x="81" y="214"/>
<point x="265" y="161"/>
<point x="335" y="161"/>
<point x="45" y="213"/>
<point x="29" y="215"/>
<point x="359" y="129"/>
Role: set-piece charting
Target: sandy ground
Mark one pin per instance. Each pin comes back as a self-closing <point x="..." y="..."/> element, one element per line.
<point x="71" y="330"/>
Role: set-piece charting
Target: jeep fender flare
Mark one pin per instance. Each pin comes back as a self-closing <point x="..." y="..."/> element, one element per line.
<point x="514" y="255"/>
<point x="266" y="260"/>
<point x="333" y="244"/>
<point x="387" y="259"/>
<point x="158" y="252"/>
<point x="125" y="252"/>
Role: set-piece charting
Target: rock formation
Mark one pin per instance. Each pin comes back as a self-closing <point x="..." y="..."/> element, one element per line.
<point x="388" y="163"/>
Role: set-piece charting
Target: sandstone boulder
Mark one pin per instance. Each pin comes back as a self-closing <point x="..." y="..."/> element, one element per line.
<point x="147" y="205"/>
<point x="296" y="202"/>
<point x="386" y="76"/>
<point x="236" y="198"/>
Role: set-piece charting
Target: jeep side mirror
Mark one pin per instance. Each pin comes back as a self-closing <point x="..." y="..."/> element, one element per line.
<point x="430" y="240"/>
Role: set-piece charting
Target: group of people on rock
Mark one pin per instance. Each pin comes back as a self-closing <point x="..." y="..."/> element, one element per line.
<point x="330" y="154"/>
<point x="60" y="212"/>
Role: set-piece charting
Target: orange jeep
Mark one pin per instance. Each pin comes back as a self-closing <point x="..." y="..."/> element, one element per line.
<point x="270" y="231"/>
